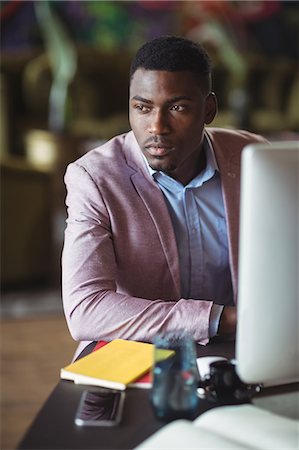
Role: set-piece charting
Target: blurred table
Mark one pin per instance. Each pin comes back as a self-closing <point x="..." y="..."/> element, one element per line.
<point x="54" y="426"/>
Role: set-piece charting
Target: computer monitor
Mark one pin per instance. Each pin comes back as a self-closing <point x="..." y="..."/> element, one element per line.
<point x="267" y="340"/>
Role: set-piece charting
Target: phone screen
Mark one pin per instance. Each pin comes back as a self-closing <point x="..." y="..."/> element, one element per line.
<point x="100" y="408"/>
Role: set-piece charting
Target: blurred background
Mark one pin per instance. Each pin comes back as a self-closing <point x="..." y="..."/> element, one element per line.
<point x="64" y="89"/>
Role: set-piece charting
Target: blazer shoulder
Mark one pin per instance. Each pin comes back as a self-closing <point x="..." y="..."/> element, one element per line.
<point x="228" y="143"/>
<point x="234" y="137"/>
<point x="104" y="162"/>
<point x="103" y="156"/>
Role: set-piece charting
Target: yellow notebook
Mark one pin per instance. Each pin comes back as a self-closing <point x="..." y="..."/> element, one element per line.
<point x="113" y="366"/>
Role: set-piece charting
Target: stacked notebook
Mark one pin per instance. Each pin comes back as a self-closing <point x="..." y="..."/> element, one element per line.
<point x="116" y="365"/>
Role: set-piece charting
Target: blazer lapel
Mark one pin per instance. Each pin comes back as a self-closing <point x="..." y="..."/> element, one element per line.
<point x="155" y="204"/>
<point x="229" y="166"/>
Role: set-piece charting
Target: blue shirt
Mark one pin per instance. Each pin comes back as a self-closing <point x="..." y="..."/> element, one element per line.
<point x="198" y="218"/>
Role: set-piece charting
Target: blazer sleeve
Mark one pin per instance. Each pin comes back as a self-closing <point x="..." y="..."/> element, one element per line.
<point x="94" y="309"/>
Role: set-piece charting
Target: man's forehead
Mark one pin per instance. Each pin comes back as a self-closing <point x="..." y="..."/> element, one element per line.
<point x="179" y="82"/>
<point x="141" y="72"/>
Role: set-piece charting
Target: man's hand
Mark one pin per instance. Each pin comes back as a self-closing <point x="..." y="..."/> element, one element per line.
<point x="228" y="321"/>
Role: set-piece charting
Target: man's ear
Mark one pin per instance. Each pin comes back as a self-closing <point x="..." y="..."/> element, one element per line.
<point x="210" y="107"/>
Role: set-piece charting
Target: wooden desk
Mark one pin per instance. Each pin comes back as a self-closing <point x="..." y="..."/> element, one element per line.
<point x="54" y="426"/>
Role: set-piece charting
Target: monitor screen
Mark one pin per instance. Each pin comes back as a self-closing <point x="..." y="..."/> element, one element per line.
<point x="268" y="313"/>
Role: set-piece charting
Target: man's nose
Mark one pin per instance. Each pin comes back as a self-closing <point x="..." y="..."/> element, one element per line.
<point x="159" y="123"/>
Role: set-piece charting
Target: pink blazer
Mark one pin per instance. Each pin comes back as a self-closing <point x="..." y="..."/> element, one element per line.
<point x="120" y="272"/>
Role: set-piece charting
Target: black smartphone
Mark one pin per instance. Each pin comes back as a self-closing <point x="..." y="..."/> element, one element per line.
<point x="101" y="407"/>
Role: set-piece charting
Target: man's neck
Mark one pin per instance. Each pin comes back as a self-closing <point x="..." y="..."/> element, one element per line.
<point x="193" y="166"/>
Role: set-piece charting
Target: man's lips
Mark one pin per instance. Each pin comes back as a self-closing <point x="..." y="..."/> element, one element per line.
<point x="158" y="149"/>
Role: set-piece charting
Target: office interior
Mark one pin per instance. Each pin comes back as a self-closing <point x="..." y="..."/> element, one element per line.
<point x="64" y="89"/>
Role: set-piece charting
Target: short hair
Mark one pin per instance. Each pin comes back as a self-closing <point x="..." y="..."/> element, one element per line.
<point x="173" y="54"/>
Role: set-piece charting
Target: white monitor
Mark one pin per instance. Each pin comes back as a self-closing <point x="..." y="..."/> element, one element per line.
<point x="267" y="346"/>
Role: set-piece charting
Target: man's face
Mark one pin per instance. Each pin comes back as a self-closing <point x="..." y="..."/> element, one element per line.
<point x="167" y="114"/>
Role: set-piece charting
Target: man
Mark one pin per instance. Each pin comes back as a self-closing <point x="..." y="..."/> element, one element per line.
<point x="151" y="242"/>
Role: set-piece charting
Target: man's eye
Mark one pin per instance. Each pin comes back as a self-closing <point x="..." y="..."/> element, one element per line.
<point x="178" y="108"/>
<point x="142" y="108"/>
